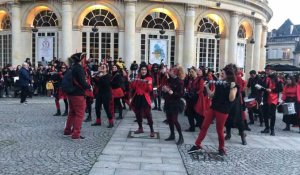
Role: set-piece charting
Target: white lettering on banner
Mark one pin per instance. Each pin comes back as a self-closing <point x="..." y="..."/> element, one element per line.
<point x="158" y="51"/>
<point x="45" y="48"/>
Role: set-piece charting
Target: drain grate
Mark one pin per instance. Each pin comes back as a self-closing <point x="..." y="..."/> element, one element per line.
<point x="145" y="135"/>
<point x="5" y="143"/>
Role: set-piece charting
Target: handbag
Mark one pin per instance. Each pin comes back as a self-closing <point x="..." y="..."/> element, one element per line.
<point x="280" y="108"/>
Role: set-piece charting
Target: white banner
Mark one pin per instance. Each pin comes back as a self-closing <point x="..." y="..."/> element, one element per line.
<point x="158" y="51"/>
<point x="45" y="48"/>
<point x="240" y="56"/>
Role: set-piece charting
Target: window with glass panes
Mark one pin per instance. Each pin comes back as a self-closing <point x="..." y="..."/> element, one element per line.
<point x="105" y="42"/>
<point x="47" y="22"/>
<point x="157" y="21"/>
<point x="207" y="46"/>
<point x="5" y="49"/>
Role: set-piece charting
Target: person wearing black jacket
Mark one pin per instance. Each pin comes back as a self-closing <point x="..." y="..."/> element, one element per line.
<point x="104" y="96"/>
<point x="271" y="89"/>
<point x="255" y="93"/>
<point x="24" y="82"/>
<point x="117" y="91"/>
<point x="77" y="103"/>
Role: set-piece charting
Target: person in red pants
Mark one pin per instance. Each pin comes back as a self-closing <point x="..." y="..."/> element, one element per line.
<point x="76" y="98"/>
<point x="224" y="93"/>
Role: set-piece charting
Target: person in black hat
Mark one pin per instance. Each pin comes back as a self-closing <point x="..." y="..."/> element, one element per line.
<point x="141" y="101"/>
<point x="76" y="98"/>
<point x="255" y="93"/>
<point x="271" y="88"/>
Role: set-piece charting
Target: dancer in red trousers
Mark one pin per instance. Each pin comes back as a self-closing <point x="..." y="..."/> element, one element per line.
<point x="76" y="98"/>
<point x="224" y="93"/>
<point x="141" y="102"/>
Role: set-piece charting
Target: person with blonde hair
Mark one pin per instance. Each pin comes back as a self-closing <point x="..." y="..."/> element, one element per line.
<point x="173" y="91"/>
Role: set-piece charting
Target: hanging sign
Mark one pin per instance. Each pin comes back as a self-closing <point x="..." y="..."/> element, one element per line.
<point x="45" y="48"/>
<point x="158" y="51"/>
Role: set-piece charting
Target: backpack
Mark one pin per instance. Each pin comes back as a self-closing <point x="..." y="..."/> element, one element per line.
<point x="67" y="82"/>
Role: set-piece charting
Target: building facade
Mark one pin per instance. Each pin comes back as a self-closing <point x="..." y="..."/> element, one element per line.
<point x="282" y="44"/>
<point x="207" y="32"/>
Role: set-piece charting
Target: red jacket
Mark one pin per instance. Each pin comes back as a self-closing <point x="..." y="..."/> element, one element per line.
<point x="272" y="96"/>
<point x="289" y="91"/>
<point x="203" y="102"/>
<point x="142" y="88"/>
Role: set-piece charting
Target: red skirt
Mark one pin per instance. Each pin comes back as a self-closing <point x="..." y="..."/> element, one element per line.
<point x="117" y="93"/>
<point x="59" y="94"/>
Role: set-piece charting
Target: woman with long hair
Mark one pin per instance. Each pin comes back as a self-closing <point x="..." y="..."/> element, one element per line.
<point x="141" y="101"/>
<point x="289" y="95"/>
<point x="117" y="91"/>
<point x="224" y="93"/>
<point x="173" y="91"/>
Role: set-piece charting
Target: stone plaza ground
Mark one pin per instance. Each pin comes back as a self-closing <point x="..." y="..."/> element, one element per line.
<point x="31" y="142"/>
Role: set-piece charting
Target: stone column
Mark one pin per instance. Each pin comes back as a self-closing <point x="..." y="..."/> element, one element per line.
<point x="129" y="44"/>
<point x="263" y="52"/>
<point x="66" y="30"/>
<point x="121" y="43"/>
<point x="249" y="58"/>
<point x="232" y="50"/>
<point x="179" y="47"/>
<point x="257" y="45"/>
<point x="16" y="35"/>
<point x="189" y="58"/>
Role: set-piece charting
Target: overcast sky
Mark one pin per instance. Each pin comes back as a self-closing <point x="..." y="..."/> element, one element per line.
<point x="282" y="10"/>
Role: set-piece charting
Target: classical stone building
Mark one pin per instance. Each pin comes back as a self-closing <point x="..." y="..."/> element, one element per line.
<point x="207" y="32"/>
<point x="283" y="45"/>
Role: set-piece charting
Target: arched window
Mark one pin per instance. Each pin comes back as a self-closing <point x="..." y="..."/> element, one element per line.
<point x="5" y="25"/>
<point x="46" y="18"/>
<point x="207" y="25"/>
<point x="100" y="17"/>
<point x="207" y="46"/>
<point x="242" y="32"/>
<point x="158" y="20"/>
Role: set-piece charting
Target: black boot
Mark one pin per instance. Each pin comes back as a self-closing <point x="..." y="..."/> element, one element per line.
<point x="246" y="126"/>
<point x="228" y="134"/>
<point x="171" y="137"/>
<point x="287" y="128"/>
<point x="88" y="119"/>
<point x="110" y="125"/>
<point x="65" y="113"/>
<point x="272" y="133"/>
<point x="266" y="130"/>
<point x="243" y="137"/>
<point x="180" y="139"/>
<point x="58" y="113"/>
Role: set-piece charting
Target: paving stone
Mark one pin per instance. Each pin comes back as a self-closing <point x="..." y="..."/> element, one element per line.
<point x="141" y="159"/>
<point x="32" y="141"/>
<point x="163" y="167"/>
<point x="137" y="172"/>
<point x="102" y="171"/>
<point x="112" y="165"/>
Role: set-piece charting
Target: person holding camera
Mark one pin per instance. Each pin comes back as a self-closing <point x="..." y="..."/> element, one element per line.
<point x="222" y="96"/>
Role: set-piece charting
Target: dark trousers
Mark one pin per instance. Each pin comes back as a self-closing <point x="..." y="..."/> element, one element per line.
<point x="157" y="99"/>
<point x="144" y="112"/>
<point x="77" y="105"/>
<point x="269" y="113"/>
<point x="24" y="93"/>
<point x="105" y="101"/>
<point x="117" y="103"/>
<point x="192" y="116"/>
<point x="173" y="121"/>
<point x="254" y="111"/>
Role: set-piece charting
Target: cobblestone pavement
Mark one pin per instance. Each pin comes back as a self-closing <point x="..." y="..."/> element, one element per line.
<point x="243" y="160"/>
<point x="264" y="154"/>
<point x="32" y="141"/>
